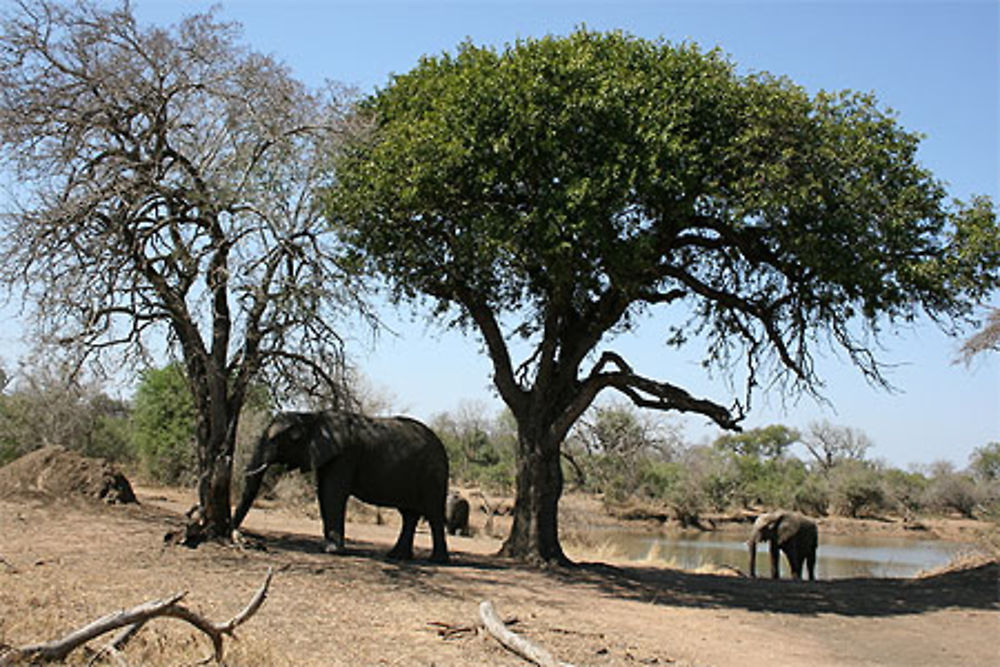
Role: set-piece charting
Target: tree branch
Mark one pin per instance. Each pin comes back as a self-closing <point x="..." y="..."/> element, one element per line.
<point x="503" y="370"/>
<point x="133" y="619"/>
<point x="647" y="393"/>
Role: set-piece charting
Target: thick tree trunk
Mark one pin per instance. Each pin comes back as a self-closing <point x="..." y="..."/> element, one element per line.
<point x="216" y="443"/>
<point x="534" y="536"/>
<point x="214" y="492"/>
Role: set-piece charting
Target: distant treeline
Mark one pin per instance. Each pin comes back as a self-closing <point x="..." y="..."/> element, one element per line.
<point x="627" y="456"/>
<point x="622" y="454"/>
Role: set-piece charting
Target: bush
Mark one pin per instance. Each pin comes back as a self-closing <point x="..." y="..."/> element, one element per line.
<point x="855" y="489"/>
<point x="47" y="406"/>
<point x="479" y="451"/>
<point x="163" y="425"/>
<point x="812" y="496"/>
<point x="767" y="482"/>
<point x="954" y="492"/>
<point x="905" y="491"/>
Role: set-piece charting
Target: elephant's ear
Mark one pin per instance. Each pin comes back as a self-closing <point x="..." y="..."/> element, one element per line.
<point x="765" y="525"/>
<point x="327" y="439"/>
<point x="786" y="527"/>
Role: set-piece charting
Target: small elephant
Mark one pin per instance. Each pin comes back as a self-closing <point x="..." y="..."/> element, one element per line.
<point x="389" y="462"/>
<point x="456" y="512"/>
<point x="790" y="532"/>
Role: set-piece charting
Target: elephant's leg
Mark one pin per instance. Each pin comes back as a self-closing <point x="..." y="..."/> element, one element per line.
<point x="331" y="486"/>
<point x="811" y="564"/>
<point x="440" y="552"/>
<point x="775" y="558"/>
<point x="795" y="561"/>
<point x="404" y="545"/>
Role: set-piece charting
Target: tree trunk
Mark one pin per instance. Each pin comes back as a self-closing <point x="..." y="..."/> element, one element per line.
<point x="214" y="491"/>
<point x="216" y="433"/>
<point x="534" y="536"/>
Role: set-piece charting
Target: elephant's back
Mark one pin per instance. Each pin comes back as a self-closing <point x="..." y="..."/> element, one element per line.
<point x="407" y="434"/>
<point x="403" y="462"/>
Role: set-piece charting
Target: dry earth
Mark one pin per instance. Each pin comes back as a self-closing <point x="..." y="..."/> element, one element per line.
<point x="67" y="561"/>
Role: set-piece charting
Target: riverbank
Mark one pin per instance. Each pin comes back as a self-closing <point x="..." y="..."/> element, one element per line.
<point x="579" y="513"/>
<point x="67" y="563"/>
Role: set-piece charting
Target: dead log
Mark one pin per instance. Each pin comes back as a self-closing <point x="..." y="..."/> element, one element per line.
<point x="132" y="620"/>
<point x="512" y="641"/>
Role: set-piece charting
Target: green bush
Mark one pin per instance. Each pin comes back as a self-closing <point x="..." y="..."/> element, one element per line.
<point x="812" y="496"/>
<point x="856" y="489"/>
<point x="905" y="491"/>
<point x="163" y="425"/>
<point x="48" y="406"/>
<point x="479" y="452"/>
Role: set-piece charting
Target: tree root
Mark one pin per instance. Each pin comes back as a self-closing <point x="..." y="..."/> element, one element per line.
<point x="132" y="620"/>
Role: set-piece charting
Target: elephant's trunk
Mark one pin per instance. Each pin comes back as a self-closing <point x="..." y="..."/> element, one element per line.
<point x="252" y="478"/>
<point x="755" y="536"/>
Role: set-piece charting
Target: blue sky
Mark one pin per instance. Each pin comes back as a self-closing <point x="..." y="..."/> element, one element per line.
<point x="935" y="63"/>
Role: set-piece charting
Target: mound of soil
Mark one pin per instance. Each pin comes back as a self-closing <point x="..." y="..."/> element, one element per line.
<point x="56" y="472"/>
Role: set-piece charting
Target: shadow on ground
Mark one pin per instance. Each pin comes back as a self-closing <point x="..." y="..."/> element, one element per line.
<point x="975" y="587"/>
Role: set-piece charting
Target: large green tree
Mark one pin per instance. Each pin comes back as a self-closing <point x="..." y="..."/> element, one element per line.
<point x="551" y="193"/>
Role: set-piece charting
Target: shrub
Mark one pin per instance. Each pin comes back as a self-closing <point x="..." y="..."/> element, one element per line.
<point x="954" y="492"/>
<point x="906" y="491"/>
<point x="856" y="488"/>
<point x="479" y="451"/>
<point x="812" y="496"/>
<point x="163" y="425"/>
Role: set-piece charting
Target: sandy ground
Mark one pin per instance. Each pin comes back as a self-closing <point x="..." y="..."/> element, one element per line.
<point x="67" y="563"/>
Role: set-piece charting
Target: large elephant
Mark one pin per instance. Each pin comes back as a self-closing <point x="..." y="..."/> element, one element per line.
<point x="391" y="462"/>
<point x="790" y="532"/>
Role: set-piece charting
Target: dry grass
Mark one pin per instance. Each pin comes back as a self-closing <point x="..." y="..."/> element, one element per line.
<point x="65" y="563"/>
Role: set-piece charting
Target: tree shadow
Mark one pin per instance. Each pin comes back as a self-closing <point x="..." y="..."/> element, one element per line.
<point x="975" y="587"/>
<point x="308" y="555"/>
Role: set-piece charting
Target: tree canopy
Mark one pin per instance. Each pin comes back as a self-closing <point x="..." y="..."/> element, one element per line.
<point x="164" y="188"/>
<point x="553" y="191"/>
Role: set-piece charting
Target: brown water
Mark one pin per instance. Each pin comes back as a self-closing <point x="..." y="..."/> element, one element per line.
<point x="839" y="556"/>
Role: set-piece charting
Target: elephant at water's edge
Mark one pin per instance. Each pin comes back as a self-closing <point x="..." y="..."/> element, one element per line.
<point x="390" y="462"/>
<point x="790" y="532"/>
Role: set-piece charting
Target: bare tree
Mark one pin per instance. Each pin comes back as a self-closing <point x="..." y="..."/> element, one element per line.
<point x="165" y="190"/>
<point x="830" y="444"/>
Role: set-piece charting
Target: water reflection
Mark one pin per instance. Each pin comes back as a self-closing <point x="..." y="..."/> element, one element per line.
<point x="839" y="556"/>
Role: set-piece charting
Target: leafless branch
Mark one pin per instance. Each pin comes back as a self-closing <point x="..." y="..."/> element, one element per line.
<point x="168" y="186"/>
<point x="132" y="620"/>
<point x="647" y="393"/>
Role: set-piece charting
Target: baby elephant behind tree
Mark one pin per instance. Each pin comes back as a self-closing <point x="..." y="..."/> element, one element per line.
<point x="790" y="532"/>
<point x="456" y="513"/>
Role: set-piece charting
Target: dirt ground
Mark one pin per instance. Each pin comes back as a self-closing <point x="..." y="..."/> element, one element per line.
<point x="66" y="562"/>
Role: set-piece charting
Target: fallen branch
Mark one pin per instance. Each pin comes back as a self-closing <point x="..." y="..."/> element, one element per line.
<point x="451" y="630"/>
<point x="58" y="649"/>
<point x="132" y="620"/>
<point x="512" y="641"/>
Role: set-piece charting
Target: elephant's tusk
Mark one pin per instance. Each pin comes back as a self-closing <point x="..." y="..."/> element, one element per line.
<point x="256" y="471"/>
